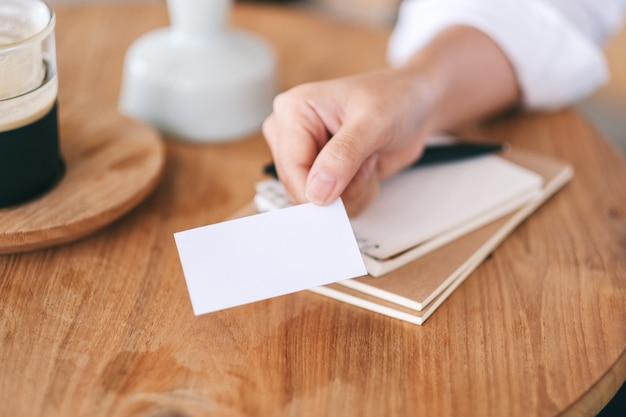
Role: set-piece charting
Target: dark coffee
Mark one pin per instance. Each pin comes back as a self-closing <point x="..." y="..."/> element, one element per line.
<point x="30" y="160"/>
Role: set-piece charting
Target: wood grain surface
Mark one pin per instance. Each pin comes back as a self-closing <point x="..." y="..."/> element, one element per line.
<point x="104" y="326"/>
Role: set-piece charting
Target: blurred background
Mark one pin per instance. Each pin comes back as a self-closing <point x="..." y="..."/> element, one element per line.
<point x="606" y="109"/>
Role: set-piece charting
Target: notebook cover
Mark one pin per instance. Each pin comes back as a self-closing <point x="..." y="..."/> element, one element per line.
<point x="414" y="291"/>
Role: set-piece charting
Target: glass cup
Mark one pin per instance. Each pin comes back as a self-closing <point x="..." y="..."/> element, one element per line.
<point x="30" y="158"/>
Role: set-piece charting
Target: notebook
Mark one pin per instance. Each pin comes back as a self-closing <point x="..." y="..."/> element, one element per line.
<point x="414" y="289"/>
<point x="421" y="209"/>
<point x="413" y="292"/>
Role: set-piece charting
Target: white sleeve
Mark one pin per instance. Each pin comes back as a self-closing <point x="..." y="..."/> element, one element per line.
<point x="554" y="46"/>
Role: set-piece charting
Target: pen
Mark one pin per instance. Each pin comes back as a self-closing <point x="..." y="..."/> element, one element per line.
<point x="436" y="154"/>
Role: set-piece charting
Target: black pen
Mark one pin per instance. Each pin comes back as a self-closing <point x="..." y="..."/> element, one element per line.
<point x="437" y="154"/>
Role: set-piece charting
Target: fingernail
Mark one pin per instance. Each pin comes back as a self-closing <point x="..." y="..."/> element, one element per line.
<point x="320" y="187"/>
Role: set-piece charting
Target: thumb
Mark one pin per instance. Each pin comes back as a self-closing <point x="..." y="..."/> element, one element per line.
<point x="337" y="163"/>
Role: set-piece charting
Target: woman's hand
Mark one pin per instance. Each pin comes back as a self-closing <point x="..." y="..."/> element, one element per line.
<point x="378" y="122"/>
<point x="341" y="137"/>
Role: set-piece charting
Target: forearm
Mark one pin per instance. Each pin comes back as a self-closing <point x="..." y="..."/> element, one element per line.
<point x="466" y="76"/>
<point x="554" y="50"/>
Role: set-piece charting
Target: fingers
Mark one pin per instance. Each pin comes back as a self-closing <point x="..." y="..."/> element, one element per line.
<point x="392" y="161"/>
<point x="291" y="171"/>
<point x="375" y="121"/>
<point x="295" y="135"/>
<point x="363" y="187"/>
<point x="339" y="161"/>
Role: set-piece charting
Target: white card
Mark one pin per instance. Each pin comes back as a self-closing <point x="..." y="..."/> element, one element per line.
<point x="267" y="255"/>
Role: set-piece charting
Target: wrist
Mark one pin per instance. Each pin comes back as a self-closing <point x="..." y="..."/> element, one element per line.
<point x="465" y="77"/>
<point x="428" y="85"/>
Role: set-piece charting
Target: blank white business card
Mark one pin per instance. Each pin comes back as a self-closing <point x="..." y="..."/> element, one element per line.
<point x="267" y="255"/>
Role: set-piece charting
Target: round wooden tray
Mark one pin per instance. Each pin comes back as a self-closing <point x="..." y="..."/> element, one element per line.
<point x="112" y="164"/>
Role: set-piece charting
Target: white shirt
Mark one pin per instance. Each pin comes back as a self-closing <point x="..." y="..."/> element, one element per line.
<point x="555" y="46"/>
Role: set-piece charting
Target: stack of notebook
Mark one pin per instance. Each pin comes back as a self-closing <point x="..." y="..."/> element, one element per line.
<point x="430" y="227"/>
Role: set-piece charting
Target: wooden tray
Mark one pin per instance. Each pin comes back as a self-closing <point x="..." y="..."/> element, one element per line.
<point x="112" y="164"/>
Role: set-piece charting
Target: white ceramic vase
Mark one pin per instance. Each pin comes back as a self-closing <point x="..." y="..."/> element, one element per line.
<point x="199" y="80"/>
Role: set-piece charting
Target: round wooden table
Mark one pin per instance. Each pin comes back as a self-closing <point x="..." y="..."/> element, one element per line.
<point x="104" y="327"/>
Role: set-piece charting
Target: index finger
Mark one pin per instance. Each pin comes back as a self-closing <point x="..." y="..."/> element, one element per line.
<point x="294" y="149"/>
